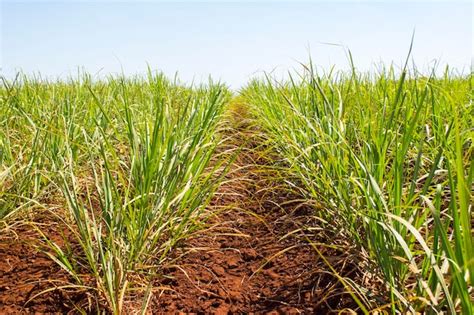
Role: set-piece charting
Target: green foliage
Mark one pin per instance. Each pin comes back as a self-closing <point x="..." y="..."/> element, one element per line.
<point x="135" y="161"/>
<point x="390" y="158"/>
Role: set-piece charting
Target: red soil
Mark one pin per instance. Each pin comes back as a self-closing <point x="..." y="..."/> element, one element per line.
<point x="26" y="271"/>
<point x="256" y="271"/>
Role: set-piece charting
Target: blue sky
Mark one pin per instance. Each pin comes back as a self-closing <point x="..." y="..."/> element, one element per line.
<point x="229" y="41"/>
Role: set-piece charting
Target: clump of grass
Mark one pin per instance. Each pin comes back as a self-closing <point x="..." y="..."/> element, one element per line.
<point x="390" y="158"/>
<point x="135" y="161"/>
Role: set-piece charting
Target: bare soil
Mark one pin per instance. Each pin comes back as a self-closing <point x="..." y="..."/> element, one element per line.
<point x="28" y="277"/>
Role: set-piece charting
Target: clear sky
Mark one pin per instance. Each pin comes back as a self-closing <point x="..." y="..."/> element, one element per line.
<point x="229" y="41"/>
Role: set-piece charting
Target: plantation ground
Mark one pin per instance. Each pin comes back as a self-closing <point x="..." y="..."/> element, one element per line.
<point x="244" y="262"/>
<point x="340" y="192"/>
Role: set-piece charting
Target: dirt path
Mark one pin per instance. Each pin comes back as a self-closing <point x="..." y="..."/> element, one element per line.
<point x="245" y="264"/>
<point x="242" y="264"/>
